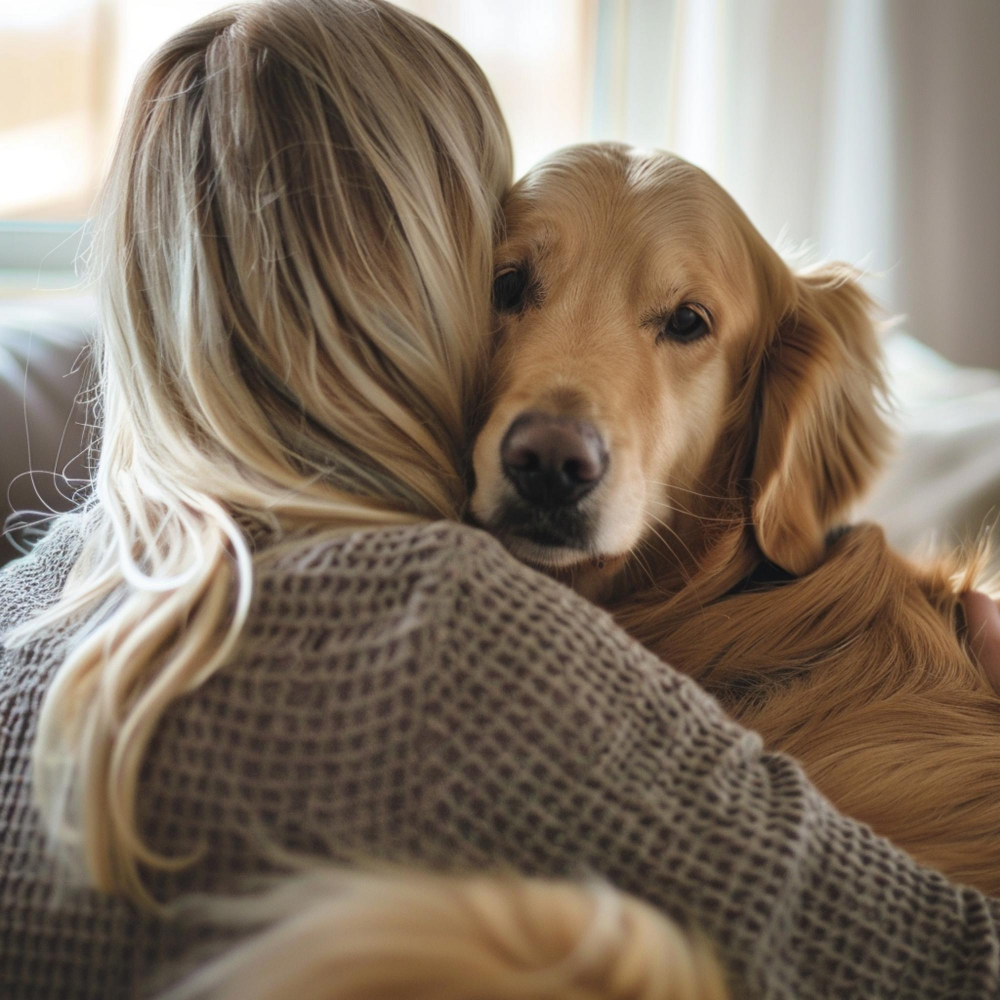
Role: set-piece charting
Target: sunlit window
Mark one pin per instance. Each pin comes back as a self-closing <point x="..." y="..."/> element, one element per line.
<point x="66" y="67"/>
<point x="54" y="79"/>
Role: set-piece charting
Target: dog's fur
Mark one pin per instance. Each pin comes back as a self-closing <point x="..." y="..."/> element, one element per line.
<point x="731" y="459"/>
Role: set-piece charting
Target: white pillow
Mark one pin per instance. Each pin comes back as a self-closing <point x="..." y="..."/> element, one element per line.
<point x="943" y="483"/>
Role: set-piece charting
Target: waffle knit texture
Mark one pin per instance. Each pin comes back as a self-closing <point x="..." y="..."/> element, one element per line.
<point x="417" y="695"/>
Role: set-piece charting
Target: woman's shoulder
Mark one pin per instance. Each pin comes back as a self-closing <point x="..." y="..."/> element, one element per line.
<point x="377" y="549"/>
<point x="376" y="589"/>
<point x="412" y="610"/>
<point x="429" y="545"/>
<point x="357" y="653"/>
<point x="366" y="658"/>
<point x="433" y="563"/>
<point x="457" y="580"/>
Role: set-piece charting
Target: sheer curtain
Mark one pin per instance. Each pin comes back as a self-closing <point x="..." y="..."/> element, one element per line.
<point x="862" y="129"/>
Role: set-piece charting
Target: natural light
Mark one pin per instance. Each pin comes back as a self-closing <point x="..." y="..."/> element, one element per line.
<point x="73" y="62"/>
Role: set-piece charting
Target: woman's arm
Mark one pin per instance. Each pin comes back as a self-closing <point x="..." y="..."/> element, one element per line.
<point x="555" y="743"/>
<point x="415" y="695"/>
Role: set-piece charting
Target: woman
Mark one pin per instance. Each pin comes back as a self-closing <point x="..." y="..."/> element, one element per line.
<point x="267" y="634"/>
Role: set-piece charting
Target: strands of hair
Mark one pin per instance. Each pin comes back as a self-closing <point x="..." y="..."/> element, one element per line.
<point x="293" y="258"/>
<point x="332" y="935"/>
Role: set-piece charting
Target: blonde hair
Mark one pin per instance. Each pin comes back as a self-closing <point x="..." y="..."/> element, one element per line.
<point x="341" y="936"/>
<point x="293" y="259"/>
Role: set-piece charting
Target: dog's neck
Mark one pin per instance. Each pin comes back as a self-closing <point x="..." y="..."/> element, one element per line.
<point x="707" y="548"/>
<point x="599" y="580"/>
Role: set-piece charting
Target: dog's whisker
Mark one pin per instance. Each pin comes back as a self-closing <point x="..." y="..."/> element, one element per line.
<point x="680" y="564"/>
<point x="673" y="555"/>
<point x="688" y="579"/>
<point x="700" y="517"/>
<point x="647" y="568"/>
<point x="679" y="508"/>
<point x="683" y="489"/>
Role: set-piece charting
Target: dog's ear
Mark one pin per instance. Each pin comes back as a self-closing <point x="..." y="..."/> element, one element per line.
<point x="822" y="432"/>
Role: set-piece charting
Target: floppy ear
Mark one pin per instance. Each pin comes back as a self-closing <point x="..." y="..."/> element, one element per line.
<point x="822" y="433"/>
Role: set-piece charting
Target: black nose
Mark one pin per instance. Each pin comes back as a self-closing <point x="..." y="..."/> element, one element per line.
<point x="552" y="461"/>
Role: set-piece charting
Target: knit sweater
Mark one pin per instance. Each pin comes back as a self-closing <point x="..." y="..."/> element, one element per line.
<point x="417" y="695"/>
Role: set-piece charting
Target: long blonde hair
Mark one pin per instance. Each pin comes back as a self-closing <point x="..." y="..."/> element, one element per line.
<point x="332" y="935"/>
<point x="293" y="259"/>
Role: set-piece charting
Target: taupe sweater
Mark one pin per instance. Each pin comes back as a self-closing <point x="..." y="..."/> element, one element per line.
<point x="416" y="694"/>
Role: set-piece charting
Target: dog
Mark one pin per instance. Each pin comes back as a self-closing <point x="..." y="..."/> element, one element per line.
<point x="677" y="426"/>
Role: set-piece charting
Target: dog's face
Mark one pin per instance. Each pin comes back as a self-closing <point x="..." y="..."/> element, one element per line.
<point x="625" y="292"/>
<point x="634" y="301"/>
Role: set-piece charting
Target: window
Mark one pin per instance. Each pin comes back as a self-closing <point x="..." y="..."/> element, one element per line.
<point x="66" y="68"/>
<point x="71" y="63"/>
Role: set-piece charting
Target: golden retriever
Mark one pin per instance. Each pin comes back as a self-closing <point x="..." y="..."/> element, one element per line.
<point x="677" y="425"/>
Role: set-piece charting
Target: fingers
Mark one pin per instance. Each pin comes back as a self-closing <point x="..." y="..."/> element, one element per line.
<point x="982" y="615"/>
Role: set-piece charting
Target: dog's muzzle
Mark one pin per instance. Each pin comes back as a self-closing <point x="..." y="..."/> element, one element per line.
<point x="553" y="463"/>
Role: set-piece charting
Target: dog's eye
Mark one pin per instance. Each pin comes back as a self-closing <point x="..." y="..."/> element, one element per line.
<point x="684" y="324"/>
<point x="509" y="289"/>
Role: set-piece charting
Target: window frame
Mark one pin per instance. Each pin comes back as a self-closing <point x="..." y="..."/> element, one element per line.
<point x="42" y="256"/>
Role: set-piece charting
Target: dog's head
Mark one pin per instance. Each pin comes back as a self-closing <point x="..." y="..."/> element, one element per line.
<point x="645" y="330"/>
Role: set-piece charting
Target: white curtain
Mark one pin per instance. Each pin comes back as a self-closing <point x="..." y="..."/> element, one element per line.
<point x="867" y="130"/>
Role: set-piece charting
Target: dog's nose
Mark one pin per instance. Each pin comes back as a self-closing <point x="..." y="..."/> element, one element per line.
<point x="552" y="461"/>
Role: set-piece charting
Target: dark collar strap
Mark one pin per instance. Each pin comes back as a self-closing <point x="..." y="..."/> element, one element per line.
<point x="767" y="575"/>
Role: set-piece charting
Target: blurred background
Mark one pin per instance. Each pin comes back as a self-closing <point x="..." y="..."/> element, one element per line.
<point x="862" y="129"/>
<point x="865" y="130"/>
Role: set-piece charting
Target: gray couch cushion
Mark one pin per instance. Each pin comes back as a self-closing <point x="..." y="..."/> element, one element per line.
<point x="943" y="483"/>
<point x="43" y="433"/>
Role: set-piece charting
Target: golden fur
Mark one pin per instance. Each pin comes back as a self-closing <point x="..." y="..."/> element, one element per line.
<point x="732" y="452"/>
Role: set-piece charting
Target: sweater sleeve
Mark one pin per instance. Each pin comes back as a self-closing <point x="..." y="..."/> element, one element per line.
<point x="554" y="742"/>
